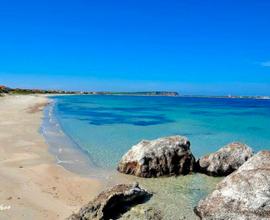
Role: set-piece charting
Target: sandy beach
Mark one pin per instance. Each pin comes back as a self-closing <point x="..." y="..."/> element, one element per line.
<point x="32" y="185"/>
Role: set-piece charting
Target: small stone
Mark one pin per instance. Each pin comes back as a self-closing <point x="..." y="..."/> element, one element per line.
<point x="135" y="184"/>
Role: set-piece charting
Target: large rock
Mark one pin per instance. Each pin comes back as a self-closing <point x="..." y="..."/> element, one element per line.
<point x="225" y="160"/>
<point x="110" y="204"/>
<point x="245" y="194"/>
<point x="160" y="157"/>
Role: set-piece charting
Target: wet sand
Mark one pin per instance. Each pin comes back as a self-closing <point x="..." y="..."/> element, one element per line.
<point x="32" y="185"/>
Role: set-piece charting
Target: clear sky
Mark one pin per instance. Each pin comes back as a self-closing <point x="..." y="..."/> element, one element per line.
<point x="191" y="46"/>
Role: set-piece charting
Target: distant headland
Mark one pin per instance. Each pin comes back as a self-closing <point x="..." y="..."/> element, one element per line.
<point x="22" y="91"/>
<point x="7" y="90"/>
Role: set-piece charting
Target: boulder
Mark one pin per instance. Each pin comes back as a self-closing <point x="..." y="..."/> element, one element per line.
<point x="161" y="157"/>
<point x="110" y="204"/>
<point x="244" y="194"/>
<point x="226" y="160"/>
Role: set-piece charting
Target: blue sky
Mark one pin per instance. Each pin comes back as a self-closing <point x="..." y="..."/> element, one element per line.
<point x="191" y="46"/>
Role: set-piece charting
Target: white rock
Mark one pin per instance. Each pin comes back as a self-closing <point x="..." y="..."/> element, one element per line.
<point x="244" y="194"/>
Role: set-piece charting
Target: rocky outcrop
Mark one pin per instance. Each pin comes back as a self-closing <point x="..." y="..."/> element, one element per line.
<point x="245" y="194"/>
<point x="225" y="161"/>
<point x="110" y="204"/>
<point x="161" y="157"/>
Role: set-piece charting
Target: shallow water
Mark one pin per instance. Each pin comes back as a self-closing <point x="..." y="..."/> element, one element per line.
<point x="103" y="128"/>
<point x="176" y="197"/>
<point x="107" y="126"/>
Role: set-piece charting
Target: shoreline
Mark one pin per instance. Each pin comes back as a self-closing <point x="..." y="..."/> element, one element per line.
<point x="35" y="186"/>
<point x="165" y="190"/>
<point x="66" y="151"/>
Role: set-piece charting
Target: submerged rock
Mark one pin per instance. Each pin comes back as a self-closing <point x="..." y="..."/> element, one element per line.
<point x="244" y="194"/>
<point x="161" y="157"/>
<point x="110" y="204"/>
<point x="149" y="213"/>
<point x="225" y="160"/>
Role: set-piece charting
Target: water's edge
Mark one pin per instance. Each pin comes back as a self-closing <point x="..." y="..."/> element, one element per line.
<point x="66" y="151"/>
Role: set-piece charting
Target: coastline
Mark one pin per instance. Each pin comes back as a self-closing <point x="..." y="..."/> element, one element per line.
<point x="35" y="187"/>
<point x="69" y="154"/>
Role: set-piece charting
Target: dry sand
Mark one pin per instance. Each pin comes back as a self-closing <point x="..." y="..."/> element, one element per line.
<point x="32" y="185"/>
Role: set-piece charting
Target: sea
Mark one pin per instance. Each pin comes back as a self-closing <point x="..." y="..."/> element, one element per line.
<point x="88" y="134"/>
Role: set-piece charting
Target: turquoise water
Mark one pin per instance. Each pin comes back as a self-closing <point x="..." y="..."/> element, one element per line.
<point x="107" y="126"/>
<point x="103" y="128"/>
